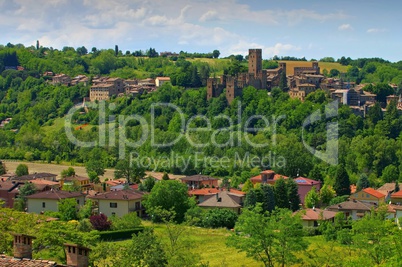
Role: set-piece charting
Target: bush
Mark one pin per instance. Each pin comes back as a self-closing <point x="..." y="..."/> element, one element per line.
<point x="100" y="222"/>
<point x="310" y="231"/>
<point x="120" y="234"/>
<point x="216" y="218"/>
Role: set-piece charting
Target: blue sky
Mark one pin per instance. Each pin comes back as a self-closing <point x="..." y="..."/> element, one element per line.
<point x="313" y="29"/>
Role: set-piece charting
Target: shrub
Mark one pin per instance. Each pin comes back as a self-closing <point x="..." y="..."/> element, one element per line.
<point x="216" y="218"/>
<point x="120" y="234"/>
<point x="100" y="222"/>
<point x="128" y="221"/>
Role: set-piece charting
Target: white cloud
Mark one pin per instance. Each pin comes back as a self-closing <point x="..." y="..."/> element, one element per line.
<point x="209" y="15"/>
<point x="345" y="27"/>
<point x="376" y="30"/>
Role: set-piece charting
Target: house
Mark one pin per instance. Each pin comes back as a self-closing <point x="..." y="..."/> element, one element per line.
<point x="36" y="176"/>
<point x="398" y="214"/>
<point x="120" y="202"/>
<point x="312" y="217"/>
<point x="76" y="256"/>
<point x="105" y="88"/>
<point x="8" y="192"/>
<point x="205" y="193"/>
<point x="396" y="198"/>
<point x="304" y="185"/>
<point x="352" y="208"/>
<point x="61" y="79"/>
<point x="199" y="181"/>
<point x="369" y="195"/>
<point x="76" y="180"/>
<point x="159" y="81"/>
<point x="44" y="185"/>
<point x="224" y="199"/>
<point x="267" y="177"/>
<point x="49" y="200"/>
<point x="387" y="189"/>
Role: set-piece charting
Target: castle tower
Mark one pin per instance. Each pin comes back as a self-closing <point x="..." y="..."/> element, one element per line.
<point x="231" y="89"/>
<point x="282" y="66"/>
<point x="254" y="61"/>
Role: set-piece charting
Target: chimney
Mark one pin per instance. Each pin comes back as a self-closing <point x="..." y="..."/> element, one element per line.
<point x="22" y="246"/>
<point x="76" y="255"/>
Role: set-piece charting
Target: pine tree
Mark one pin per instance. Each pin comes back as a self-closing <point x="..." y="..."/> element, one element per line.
<point x="116" y="50"/>
<point x="268" y="198"/>
<point x="283" y="83"/>
<point x="2" y="168"/>
<point x="363" y="182"/>
<point x="37" y="45"/>
<point x="165" y="176"/>
<point x="342" y="182"/>
<point x="293" y="195"/>
<point x="281" y="194"/>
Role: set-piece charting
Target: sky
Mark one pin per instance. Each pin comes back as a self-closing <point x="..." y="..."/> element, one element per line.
<point x="311" y="29"/>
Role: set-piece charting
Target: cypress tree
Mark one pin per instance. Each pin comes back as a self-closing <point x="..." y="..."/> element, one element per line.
<point x="342" y="182"/>
<point x="293" y="194"/>
<point x="281" y="194"/>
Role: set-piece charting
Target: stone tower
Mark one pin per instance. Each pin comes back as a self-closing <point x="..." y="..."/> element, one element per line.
<point x="282" y="65"/>
<point x="254" y="61"/>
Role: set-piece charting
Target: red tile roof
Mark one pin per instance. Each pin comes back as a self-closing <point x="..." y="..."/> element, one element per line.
<point x="397" y="194"/>
<point x="212" y="191"/>
<point x="373" y="192"/>
<point x="76" y="178"/>
<point x="316" y="214"/>
<point x="198" y="178"/>
<point x="14" y="262"/>
<point x="127" y="194"/>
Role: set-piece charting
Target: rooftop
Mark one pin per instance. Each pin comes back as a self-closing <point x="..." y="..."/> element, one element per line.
<point x="198" y="178"/>
<point x="8" y="261"/>
<point x="213" y="191"/>
<point x="127" y="194"/>
<point x="40" y="175"/>
<point x="315" y="214"/>
<point x="55" y="194"/>
<point x="373" y="192"/>
<point x="222" y="200"/>
<point x="306" y="181"/>
<point x="351" y="205"/>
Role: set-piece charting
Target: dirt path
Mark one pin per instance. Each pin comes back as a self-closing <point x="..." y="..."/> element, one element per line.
<point x="79" y="170"/>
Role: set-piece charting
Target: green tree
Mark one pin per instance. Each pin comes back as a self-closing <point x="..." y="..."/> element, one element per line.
<point x="168" y="195"/>
<point x="125" y="169"/>
<point x="22" y="169"/>
<point x="145" y="250"/>
<point x="127" y="221"/>
<point x="363" y="182"/>
<point x="326" y="194"/>
<point x="312" y="198"/>
<point x="390" y="174"/>
<point x="147" y="184"/>
<point x="165" y="176"/>
<point x="334" y="73"/>
<point x="68" y="209"/>
<point x="85" y="210"/>
<point x="216" y="53"/>
<point x="283" y="82"/>
<point x="342" y="182"/>
<point x="281" y="194"/>
<point x="26" y="190"/>
<point x="68" y="172"/>
<point x="96" y="167"/>
<point x="272" y="239"/>
<point x="216" y="218"/>
<point x="370" y="234"/>
<point x="248" y="185"/>
<point x="293" y="195"/>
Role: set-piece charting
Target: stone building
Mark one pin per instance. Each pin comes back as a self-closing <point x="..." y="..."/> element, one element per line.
<point x="104" y="89"/>
<point x="256" y="77"/>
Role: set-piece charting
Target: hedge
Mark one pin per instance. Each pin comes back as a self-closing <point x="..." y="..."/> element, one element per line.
<point x="119" y="234"/>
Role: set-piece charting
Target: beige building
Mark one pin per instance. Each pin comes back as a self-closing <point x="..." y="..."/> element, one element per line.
<point x="159" y="81"/>
<point x="104" y="89"/>
<point x="49" y="200"/>
<point x="120" y="202"/>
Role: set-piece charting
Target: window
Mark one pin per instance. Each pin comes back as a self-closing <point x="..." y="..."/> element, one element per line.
<point x="43" y="204"/>
<point x="113" y="213"/>
<point x="113" y="204"/>
<point x="78" y="201"/>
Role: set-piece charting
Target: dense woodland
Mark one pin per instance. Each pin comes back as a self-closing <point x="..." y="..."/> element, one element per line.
<point x="370" y="145"/>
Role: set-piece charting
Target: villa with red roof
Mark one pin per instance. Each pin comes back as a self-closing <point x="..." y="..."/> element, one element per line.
<point x="267" y="177"/>
<point x="369" y="195"/>
<point x="224" y="199"/>
<point x="396" y="198"/>
<point x="305" y="185"/>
